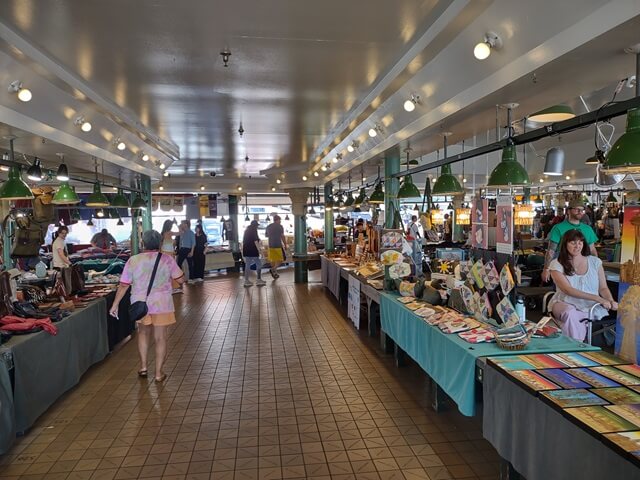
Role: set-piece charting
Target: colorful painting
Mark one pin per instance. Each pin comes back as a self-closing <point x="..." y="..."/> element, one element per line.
<point x="617" y="375"/>
<point x="562" y="378"/>
<point x="577" y="397"/>
<point x="600" y="419"/>
<point x="391" y="239"/>
<point x="632" y="369"/>
<point x="630" y="412"/>
<point x="605" y="358"/>
<point x="574" y="359"/>
<point x="592" y="378"/>
<point x="541" y="360"/>
<point x="618" y="395"/>
<point x="533" y="380"/>
<point x="512" y="362"/>
<point x="504" y="225"/>
<point x="480" y="236"/>
<point x="480" y="211"/>
<point x="628" y="441"/>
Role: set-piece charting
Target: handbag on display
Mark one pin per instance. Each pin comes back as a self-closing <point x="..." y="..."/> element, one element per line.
<point x="138" y="310"/>
<point x="27" y="238"/>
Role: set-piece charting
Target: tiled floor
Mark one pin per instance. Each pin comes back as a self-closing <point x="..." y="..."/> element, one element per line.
<point x="263" y="383"/>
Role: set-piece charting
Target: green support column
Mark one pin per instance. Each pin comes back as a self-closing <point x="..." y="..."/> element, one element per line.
<point x="6" y="236"/>
<point x="328" y="219"/>
<point x="234" y="244"/>
<point x="145" y="185"/>
<point x="299" y="198"/>
<point x="135" y="216"/>
<point x="391" y="186"/>
<point x="458" y="230"/>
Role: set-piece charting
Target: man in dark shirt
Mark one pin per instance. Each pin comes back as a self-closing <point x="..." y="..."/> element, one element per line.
<point x="103" y="240"/>
<point x="251" y="253"/>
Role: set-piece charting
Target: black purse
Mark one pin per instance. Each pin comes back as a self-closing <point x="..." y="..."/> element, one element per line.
<point x="138" y="310"/>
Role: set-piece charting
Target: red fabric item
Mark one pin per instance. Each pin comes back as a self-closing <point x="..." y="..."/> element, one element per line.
<point x="11" y="323"/>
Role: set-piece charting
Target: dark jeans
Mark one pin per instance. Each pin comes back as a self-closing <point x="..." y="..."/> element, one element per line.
<point x="182" y="256"/>
<point x="198" y="264"/>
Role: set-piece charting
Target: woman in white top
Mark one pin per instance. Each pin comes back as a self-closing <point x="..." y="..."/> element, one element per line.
<point x="59" y="248"/>
<point x="581" y="283"/>
<point x="168" y="246"/>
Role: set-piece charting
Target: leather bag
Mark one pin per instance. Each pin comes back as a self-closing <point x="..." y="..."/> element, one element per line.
<point x="27" y="238"/>
<point x="138" y="310"/>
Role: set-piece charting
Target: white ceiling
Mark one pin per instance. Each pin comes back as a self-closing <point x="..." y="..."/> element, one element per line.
<point x="304" y="78"/>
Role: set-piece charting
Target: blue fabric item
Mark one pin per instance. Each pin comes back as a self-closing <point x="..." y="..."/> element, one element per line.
<point x="448" y="359"/>
<point x="188" y="239"/>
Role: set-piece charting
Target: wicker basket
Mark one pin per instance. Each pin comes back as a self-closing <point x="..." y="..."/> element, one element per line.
<point x="514" y="347"/>
<point x="507" y="343"/>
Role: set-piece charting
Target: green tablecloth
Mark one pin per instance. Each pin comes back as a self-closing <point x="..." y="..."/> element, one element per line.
<point x="448" y="359"/>
<point x="106" y="266"/>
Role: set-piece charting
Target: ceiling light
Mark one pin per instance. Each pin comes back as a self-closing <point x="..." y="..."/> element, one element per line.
<point x="138" y="203"/>
<point x="162" y="166"/>
<point x="624" y="156"/>
<point x="120" y="145"/>
<point x="246" y="218"/>
<point x="24" y="94"/>
<point x="447" y="183"/>
<point x="353" y="145"/>
<point x="225" y="54"/>
<point x="278" y="181"/>
<point x="99" y="213"/>
<point x="508" y="172"/>
<point x="63" y="171"/>
<point x="304" y="178"/>
<point x="410" y="105"/>
<point x="554" y="163"/>
<point x="202" y="188"/>
<point x="82" y="123"/>
<point x="165" y="174"/>
<point x="120" y="222"/>
<point x="334" y="159"/>
<point x="541" y="180"/>
<point x="15" y="188"/>
<point x="557" y="113"/>
<point x="239" y="188"/>
<point x="273" y="189"/>
<point x="160" y="187"/>
<point x="120" y="200"/>
<point x="490" y="42"/>
<point x="90" y="222"/>
<point x="378" y="195"/>
<point x="373" y="131"/>
<point x="145" y="157"/>
<point x="350" y="148"/>
<point x="464" y="180"/>
<point x="364" y="179"/>
<point x="34" y="172"/>
<point x="408" y="189"/>
<point x="4" y="168"/>
<point x="568" y="177"/>
<point x="323" y="168"/>
<point x="97" y="198"/>
<point x="315" y="174"/>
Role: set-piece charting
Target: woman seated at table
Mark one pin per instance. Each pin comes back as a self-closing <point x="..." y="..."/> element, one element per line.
<point x="581" y="283"/>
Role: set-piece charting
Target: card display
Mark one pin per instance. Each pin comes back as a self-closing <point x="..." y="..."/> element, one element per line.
<point x="592" y="378"/>
<point x="541" y="360"/>
<point x="512" y="362"/>
<point x="601" y="420"/>
<point x="605" y="358"/>
<point x="628" y="441"/>
<point x="616" y="375"/>
<point x="562" y="378"/>
<point x="577" y="397"/>
<point x="632" y="369"/>
<point x="631" y="412"/>
<point x="574" y="359"/>
<point x="533" y="380"/>
<point x="618" y="395"/>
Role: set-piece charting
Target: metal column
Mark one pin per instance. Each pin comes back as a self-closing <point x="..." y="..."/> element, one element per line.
<point x="328" y="219"/>
<point x="391" y="186"/>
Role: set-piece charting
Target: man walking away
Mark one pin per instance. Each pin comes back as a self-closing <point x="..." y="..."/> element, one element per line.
<point x="277" y="241"/>
<point x="187" y="246"/>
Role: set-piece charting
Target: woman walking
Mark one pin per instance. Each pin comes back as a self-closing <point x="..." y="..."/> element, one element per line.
<point x="137" y="274"/>
<point x="199" y="258"/>
<point x="168" y="247"/>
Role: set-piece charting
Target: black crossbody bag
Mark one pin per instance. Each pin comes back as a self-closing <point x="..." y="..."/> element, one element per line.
<point x="138" y="310"/>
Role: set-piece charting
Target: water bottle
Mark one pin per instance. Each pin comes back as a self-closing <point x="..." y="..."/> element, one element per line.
<point x="520" y="309"/>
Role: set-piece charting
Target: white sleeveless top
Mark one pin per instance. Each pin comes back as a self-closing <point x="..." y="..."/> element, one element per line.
<point x="588" y="283"/>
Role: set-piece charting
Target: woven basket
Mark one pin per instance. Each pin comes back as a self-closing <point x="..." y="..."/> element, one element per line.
<point x="511" y="346"/>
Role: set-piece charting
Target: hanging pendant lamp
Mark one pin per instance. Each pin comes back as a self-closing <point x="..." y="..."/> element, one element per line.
<point x="556" y="113"/>
<point x="120" y="200"/>
<point x="138" y="203"/>
<point x="15" y="188"/>
<point x="97" y="198"/>
<point x="65" y="195"/>
<point x="447" y="183"/>
<point x="377" y="197"/>
<point x="508" y="172"/>
<point x="408" y="189"/>
<point x="624" y="156"/>
<point x="554" y="162"/>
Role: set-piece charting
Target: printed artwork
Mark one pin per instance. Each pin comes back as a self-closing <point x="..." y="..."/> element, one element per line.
<point x="480" y="236"/>
<point x="465" y="268"/>
<point x="504" y="225"/>
<point x="507" y="312"/>
<point x="578" y="397"/>
<point x="628" y="441"/>
<point x="467" y="298"/>
<point x="406" y="289"/>
<point x="630" y="412"/>
<point x="533" y="380"/>
<point x="574" y="359"/>
<point x="632" y="369"/>
<point x="512" y="362"/>
<point x="391" y="239"/>
<point x="617" y="375"/>
<point x="390" y="257"/>
<point x="562" y="378"/>
<point x="476" y="273"/>
<point x="506" y="279"/>
<point x="542" y="360"/>
<point x="605" y="358"/>
<point x="601" y="420"/>
<point x="592" y="378"/>
<point x="480" y="211"/>
<point x="618" y="395"/>
<point x="490" y="276"/>
<point x="400" y="270"/>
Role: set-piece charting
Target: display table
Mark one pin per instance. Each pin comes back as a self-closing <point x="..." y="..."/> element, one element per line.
<point x="539" y="442"/>
<point x="7" y="413"/>
<point x="45" y="366"/>
<point x="330" y="275"/>
<point x="217" y="260"/>
<point x="446" y="358"/>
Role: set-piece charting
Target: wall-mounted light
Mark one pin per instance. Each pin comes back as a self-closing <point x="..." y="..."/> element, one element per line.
<point x="410" y="105"/>
<point x="119" y="144"/>
<point x="34" y="172"/>
<point x="490" y="42"/>
<point x="82" y="123"/>
<point x="24" y="94"/>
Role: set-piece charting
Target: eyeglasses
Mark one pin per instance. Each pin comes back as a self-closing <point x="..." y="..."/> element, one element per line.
<point x="579" y="210"/>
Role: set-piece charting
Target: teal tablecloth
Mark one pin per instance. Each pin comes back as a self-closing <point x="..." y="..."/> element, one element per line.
<point x="446" y="358"/>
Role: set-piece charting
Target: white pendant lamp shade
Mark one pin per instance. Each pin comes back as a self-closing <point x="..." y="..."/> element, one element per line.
<point x="554" y="163"/>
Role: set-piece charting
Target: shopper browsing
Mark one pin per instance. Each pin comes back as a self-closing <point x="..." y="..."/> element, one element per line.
<point x="277" y="242"/>
<point x="251" y="253"/>
<point x="199" y="257"/>
<point x="186" y="249"/>
<point x="59" y="248"/>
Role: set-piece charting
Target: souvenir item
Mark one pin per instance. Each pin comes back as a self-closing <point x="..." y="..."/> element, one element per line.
<point x="400" y="270"/>
<point x="490" y="276"/>
<point x="453" y="326"/>
<point x="476" y="273"/>
<point x="467" y="298"/>
<point x="562" y="378"/>
<point x="618" y="395"/>
<point x="478" y="335"/>
<point x="424" y="312"/>
<point x="406" y="289"/>
<point x="573" y="359"/>
<point x="507" y="312"/>
<point x="632" y="369"/>
<point x="465" y="268"/>
<point x="592" y="378"/>
<point x="540" y="360"/>
<point x="512" y="362"/>
<point x="605" y="358"/>
<point x="628" y="441"/>
<point x="506" y="279"/>
<point x="533" y="380"/>
<point x="577" y="397"/>
<point x="414" y="305"/>
<point x="616" y="375"/>
<point x="391" y="239"/>
<point x="442" y="266"/>
<point x="406" y="299"/>
<point x="390" y="257"/>
<point x="600" y="419"/>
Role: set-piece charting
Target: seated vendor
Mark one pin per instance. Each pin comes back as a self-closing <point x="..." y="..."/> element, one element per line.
<point x="103" y="240"/>
<point x="581" y="283"/>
